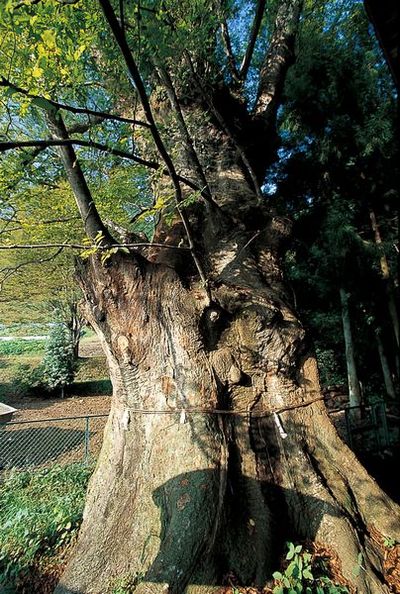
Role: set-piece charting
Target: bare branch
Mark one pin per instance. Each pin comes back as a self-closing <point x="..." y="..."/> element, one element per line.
<point x="228" y="50"/>
<point x="255" y="29"/>
<point x="77" y="110"/>
<point x="43" y="144"/>
<point x="82" y="246"/>
<point x="173" y="99"/>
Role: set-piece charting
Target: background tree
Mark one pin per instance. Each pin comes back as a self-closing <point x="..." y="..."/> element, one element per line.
<point x="58" y="365"/>
<point x="201" y="320"/>
<point x="334" y="175"/>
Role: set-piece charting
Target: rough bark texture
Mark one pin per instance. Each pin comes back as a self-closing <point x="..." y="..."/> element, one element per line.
<point x="181" y="500"/>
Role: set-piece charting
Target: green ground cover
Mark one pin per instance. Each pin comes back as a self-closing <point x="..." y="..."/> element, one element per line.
<point x="40" y="513"/>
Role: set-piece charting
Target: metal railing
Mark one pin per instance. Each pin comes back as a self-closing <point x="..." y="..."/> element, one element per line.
<point x="41" y="443"/>
<point x="368" y="428"/>
<point x="44" y="442"/>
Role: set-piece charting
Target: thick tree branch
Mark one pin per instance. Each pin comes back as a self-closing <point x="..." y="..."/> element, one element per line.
<point x="84" y="200"/>
<point x="50" y="103"/>
<point x="278" y="58"/>
<point x="225" y="127"/>
<point x="255" y="29"/>
<point x="187" y="139"/>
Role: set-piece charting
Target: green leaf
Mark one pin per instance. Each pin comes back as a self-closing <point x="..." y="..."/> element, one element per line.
<point x="308" y="575"/>
<point x="277" y="575"/>
<point x="49" y="38"/>
<point x="292" y="570"/>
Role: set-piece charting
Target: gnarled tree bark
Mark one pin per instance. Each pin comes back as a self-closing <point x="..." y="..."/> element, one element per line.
<point x="183" y="495"/>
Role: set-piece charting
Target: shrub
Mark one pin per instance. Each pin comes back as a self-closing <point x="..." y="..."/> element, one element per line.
<point x="330" y="369"/>
<point x="28" y="381"/>
<point x="58" y="363"/>
<point x="40" y="513"/>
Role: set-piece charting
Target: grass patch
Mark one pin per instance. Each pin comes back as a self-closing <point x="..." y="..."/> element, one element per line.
<point x="91" y="369"/>
<point x="40" y="513"/>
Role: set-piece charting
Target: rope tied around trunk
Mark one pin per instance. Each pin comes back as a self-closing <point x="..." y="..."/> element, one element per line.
<point x="219" y="411"/>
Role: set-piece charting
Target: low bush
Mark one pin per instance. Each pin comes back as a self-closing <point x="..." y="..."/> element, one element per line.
<point x="40" y="513"/>
<point x="329" y="365"/>
<point x="28" y="380"/>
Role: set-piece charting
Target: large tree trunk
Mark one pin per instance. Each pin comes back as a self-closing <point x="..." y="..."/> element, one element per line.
<point x="183" y="495"/>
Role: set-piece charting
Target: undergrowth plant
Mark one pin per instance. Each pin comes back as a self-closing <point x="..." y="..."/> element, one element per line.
<point x="40" y="513"/>
<point x="303" y="575"/>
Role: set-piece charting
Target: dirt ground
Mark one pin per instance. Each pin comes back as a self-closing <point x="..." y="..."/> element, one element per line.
<point x="29" y="409"/>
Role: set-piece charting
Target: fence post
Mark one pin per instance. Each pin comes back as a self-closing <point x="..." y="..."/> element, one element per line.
<point x="87" y="438"/>
<point x="349" y="428"/>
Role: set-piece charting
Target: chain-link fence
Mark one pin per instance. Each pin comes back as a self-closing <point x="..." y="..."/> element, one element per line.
<point x="42" y="443"/>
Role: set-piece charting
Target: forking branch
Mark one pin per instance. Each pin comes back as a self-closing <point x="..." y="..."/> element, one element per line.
<point x="136" y="78"/>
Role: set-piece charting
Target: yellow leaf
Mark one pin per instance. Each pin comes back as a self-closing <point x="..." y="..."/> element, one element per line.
<point x="49" y="38"/>
<point x="79" y="51"/>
